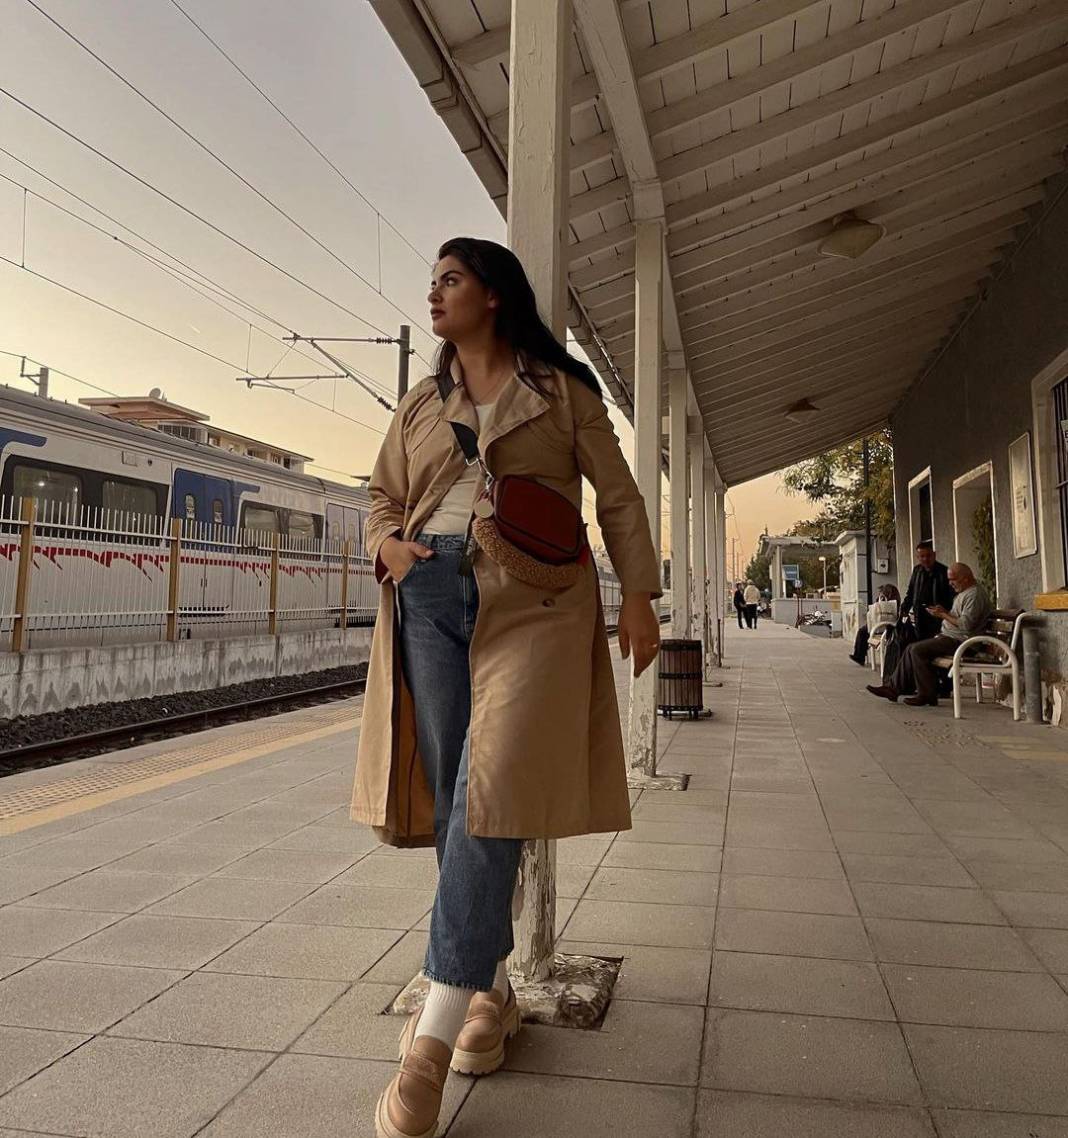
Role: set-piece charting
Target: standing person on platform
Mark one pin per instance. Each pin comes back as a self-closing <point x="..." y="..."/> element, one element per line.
<point x="752" y="599"/>
<point x="490" y="715"/>
<point x="928" y="586"/>
<point x="739" y="602"/>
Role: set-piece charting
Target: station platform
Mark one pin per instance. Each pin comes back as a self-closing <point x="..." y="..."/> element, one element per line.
<point x="853" y="924"/>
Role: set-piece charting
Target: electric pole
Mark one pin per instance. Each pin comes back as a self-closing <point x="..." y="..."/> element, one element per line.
<point x="404" y="340"/>
<point x="39" y="378"/>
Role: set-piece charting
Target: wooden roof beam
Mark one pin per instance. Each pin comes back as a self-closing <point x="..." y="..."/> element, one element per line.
<point x="683" y="50"/>
<point x="898" y="249"/>
<point x="910" y="214"/>
<point x="843" y="294"/>
<point x="928" y="295"/>
<point x="1035" y="157"/>
<point x="726" y="384"/>
<point x="855" y="316"/>
<point x="1042" y="72"/>
<point x="924" y="162"/>
<point x="752" y="138"/>
<point x="796" y="64"/>
<point x="844" y="381"/>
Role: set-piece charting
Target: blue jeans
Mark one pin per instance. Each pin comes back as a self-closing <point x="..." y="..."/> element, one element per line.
<point x="471" y="925"/>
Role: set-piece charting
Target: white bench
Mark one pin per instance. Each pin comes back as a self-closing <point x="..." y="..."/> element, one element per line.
<point x="1000" y="643"/>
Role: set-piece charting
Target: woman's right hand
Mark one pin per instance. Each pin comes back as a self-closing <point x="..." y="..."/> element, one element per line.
<point x="399" y="556"/>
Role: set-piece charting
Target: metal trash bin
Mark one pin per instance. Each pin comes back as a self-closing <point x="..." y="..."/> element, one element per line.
<point x="681" y="676"/>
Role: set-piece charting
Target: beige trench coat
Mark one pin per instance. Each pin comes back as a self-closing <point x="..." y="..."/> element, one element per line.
<point x="546" y="753"/>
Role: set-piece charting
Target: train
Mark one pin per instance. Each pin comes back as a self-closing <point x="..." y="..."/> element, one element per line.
<point x="79" y="463"/>
<point x="77" y="459"/>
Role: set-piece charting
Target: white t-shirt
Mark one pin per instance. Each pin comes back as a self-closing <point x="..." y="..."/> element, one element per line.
<point x="454" y="510"/>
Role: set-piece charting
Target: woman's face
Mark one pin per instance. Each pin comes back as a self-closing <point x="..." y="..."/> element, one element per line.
<point x="460" y="304"/>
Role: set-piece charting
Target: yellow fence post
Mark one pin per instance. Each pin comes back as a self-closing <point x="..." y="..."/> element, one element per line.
<point x="175" y="571"/>
<point x="22" y="581"/>
<point x="345" y="584"/>
<point x="272" y="619"/>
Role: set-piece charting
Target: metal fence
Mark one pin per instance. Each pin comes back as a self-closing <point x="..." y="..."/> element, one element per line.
<point x="88" y="577"/>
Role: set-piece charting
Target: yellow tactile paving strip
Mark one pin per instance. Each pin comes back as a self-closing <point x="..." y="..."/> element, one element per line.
<point x="32" y="806"/>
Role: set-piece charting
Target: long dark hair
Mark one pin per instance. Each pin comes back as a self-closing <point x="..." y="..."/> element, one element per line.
<point x="518" y="320"/>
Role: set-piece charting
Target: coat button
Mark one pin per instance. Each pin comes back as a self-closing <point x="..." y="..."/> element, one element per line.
<point x="548" y="602"/>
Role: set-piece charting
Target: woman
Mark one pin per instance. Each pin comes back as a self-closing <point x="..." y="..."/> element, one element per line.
<point x="739" y="602"/>
<point x="490" y="715"/>
<point x="886" y="594"/>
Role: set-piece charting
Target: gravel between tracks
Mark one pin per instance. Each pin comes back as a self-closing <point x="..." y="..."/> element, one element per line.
<point x="27" y="729"/>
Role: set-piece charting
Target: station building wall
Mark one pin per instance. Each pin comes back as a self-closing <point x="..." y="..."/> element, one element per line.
<point x="993" y="384"/>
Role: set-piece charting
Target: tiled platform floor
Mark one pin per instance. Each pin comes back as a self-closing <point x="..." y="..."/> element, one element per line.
<point x="854" y="924"/>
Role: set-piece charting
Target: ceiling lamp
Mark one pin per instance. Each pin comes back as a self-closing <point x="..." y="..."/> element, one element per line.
<point x="800" y="411"/>
<point x="851" y="237"/>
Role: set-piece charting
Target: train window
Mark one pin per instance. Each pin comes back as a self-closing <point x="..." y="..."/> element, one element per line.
<point x="352" y="528"/>
<point x="301" y="526"/>
<point x="128" y="497"/>
<point x="56" y="489"/>
<point x="334" y="524"/>
<point x="262" y="519"/>
<point x="217" y="511"/>
<point x="190" y="507"/>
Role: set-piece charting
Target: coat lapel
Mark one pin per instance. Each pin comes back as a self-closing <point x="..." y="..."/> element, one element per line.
<point x="516" y="404"/>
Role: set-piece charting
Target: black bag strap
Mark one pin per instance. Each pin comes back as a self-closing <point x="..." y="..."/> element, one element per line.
<point x="466" y="438"/>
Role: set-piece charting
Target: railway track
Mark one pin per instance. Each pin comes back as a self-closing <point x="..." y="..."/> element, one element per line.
<point x="52" y="751"/>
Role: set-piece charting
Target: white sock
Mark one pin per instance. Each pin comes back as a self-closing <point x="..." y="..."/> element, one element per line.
<point x="444" y="1012"/>
<point x="500" y="981"/>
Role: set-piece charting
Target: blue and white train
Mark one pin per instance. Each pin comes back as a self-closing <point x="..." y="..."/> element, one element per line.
<point x="78" y="462"/>
<point x="81" y="460"/>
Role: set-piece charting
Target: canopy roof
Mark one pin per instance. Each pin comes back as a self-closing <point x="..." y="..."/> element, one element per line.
<point x="757" y="125"/>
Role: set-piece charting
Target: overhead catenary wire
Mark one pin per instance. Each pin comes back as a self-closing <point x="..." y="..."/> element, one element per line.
<point x="192" y="213"/>
<point x="289" y="121"/>
<point x="178" y="340"/>
<point x="59" y="371"/>
<point x="190" y="278"/>
<point x="224" y="164"/>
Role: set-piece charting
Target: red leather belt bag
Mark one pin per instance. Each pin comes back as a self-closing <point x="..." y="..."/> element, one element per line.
<point x="533" y="532"/>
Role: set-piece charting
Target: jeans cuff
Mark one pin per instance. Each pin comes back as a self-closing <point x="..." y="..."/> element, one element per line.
<point x="455" y="981"/>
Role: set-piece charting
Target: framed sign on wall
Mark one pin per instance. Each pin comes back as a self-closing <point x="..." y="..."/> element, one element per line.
<point x="1024" y="535"/>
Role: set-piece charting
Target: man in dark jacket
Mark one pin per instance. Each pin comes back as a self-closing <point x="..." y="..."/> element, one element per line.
<point x="928" y="587"/>
<point x="739" y="602"/>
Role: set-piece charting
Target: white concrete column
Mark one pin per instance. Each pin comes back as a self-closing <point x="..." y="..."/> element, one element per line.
<point x="680" y="498"/>
<point x="648" y="305"/>
<point x="699" y="587"/>
<point x="720" y="604"/>
<point x="715" y="581"/>
<point x="539" y="128"/>
<point x="539" y="121"/>
<point x="778" y="590"/>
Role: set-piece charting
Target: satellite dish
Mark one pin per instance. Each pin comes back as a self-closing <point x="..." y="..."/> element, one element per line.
<point x="155" y="393"/>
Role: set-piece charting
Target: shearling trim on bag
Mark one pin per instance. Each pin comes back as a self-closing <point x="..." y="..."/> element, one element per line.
<point x="521" y="565"/>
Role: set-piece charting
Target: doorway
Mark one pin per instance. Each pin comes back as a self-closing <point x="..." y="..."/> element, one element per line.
<point x="974" y="525"/>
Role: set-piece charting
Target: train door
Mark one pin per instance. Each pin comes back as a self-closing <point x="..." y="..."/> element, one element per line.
<point x="205" y="503"/>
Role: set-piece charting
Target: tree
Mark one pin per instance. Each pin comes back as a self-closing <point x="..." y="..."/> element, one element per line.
<point x="759" y="571"/>
<point x="811" y="569"/>
<point x="835" y="481"/>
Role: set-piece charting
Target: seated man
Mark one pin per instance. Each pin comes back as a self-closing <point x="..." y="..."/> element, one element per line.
<point x="970" y="612"/>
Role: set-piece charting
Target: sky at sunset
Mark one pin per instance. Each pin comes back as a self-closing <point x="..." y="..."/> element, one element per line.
<point x="175" y="313"/>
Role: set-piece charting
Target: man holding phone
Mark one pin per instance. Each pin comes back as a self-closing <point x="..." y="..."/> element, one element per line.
<point x="928" y="586"/>
<point x="970" y="612"/>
